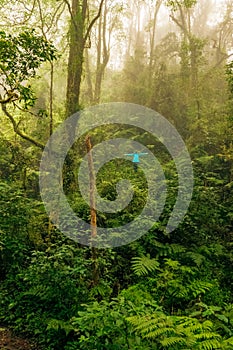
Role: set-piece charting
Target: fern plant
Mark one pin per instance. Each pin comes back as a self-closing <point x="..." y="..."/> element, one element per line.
<point x="173" y="283"/>
<point x="179" y="332"/>
<point x="222" y="318"/>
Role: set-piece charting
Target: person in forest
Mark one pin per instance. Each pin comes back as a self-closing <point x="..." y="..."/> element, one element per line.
<point x="136" y="158"/>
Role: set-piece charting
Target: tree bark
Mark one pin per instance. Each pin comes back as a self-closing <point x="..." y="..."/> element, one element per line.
<point x="92" y="187"/>
<point x="78" y="37"/>
<point x="94" y="253"/>
<point x="103" y="49"/>
<point x="75" y="60"/>
<point x="152" y="40"/>
<point x="88" y="77"/>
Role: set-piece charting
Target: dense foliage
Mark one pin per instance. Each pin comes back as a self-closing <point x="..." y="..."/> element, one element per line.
<point x="162" y="291"/>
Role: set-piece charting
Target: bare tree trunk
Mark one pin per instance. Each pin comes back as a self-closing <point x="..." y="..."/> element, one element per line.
<point x="88" y="77"/>
<point x="152" y="41"/>
<point x="130" y="37"/>
<point x="152" y="49"/>
<point x="98" y="62"/>
<point x="92" y="187"/>
<point x="103" y="49"/>
<point x="95" y="271"/>
<point x="51" y="99"/>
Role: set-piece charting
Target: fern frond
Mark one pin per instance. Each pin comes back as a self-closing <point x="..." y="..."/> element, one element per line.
<point x="177" y="248"/>
<point x="227" y="344"/>
<point x="207" y="325"/>
<point x="189" y="326"/>
<point x="160" y="331"/>
<point x="143" y="265"/>
<point x="173" y="264"/>
<point x="207" y="335"/>
<point x="197" y="258"/>
<point x="169" y="249"/>
<point x="179" y="332"/>
<point x="151" y="326"/>
<point x="171" y="341"/>
<point x="200" y="287"/>
<point x="209" y="344"/>
<point x="59" y="324"/>
<point x="147" y="323"/>
<point x="181" y="292"/>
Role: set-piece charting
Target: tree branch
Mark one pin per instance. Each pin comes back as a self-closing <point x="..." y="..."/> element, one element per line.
<point x="71" y="14"/>
<point x="225" y="57"/>
<point x="184" y="29"/>
<point x="19" y="132"/>
<point x="93" y="21"/>
<point x="22" y="22"/>
<point x="41" y="18"/>
<point x="56" y="15"/>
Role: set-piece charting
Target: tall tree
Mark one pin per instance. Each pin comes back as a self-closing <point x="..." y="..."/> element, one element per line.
<point x="108" y="30"/>
<point x="80" y="28"/>
<point x="156" y="6"/>
<point x="103" y="49"/>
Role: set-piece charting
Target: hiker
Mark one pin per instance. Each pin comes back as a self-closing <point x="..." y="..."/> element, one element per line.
<point x="136" y="159"/>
